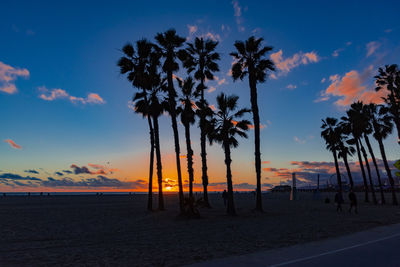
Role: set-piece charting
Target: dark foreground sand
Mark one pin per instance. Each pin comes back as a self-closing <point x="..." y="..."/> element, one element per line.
<point x="117" y="231"/>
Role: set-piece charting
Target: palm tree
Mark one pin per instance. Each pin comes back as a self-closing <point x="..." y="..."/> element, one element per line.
<point x="344" y="152"/>
<point x="354" y="124"/>
<point x="371" y="184"/>
<point x="389" y="79"/>
<point x="224" y="128"/>
<point x="381" y="122"/>
<point x="187" y="112"/>
<point x="251" y="60"/>
<point x="200" y="57"/>
<point x="155" y="106"/>
<point x="330" y="134"/>
<point x="137" y="63"/>
<point x="169" y="43"/>
<point x="367" y="131"/>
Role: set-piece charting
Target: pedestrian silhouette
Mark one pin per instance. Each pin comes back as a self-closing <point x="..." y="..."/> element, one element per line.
<point x="353" y="201"/>
<point x="225" y="197"/>
<point x="339" y="201"/>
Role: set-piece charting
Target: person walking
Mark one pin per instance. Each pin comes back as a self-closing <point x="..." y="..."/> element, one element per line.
<point x="339" y="201"/>
<point x="225" y="196"/>
<point x="353" y="201"/>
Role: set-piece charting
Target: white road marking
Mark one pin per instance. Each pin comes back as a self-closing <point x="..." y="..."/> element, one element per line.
<point x="334" y="251"/>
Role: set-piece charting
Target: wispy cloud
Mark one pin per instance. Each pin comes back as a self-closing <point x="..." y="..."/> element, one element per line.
<point x="57" y="93"/>
<point x="13" y="144"/>
<point x="371" y="47"/>
<point x="285" y="65"/>
<point x="8" y="76"/>
<point x="238" y="15"/>
<point x="291" y="86"/>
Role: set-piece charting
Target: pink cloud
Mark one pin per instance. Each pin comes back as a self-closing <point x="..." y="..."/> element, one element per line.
<point x="8" y="75"/>
<point x="57" y="93"/>
<point x="285" y="65"/>
<point x="13" y="144"/>
<point x="351" y="87"/>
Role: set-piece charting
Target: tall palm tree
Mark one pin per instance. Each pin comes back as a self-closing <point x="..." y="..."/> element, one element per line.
<point x="389" y="79"/>
<point x="200" y="57"/>
<point x="225" y="126"/>
<point x="188" y="112"/>
<point x="354" y="124"/>
<point x="345" y="151"/>
<point x="330" y="134"/>
<point x="137" y="63"/>
<point x="155" y="104"/>
<point x="381" y="122"/>
<point x="371" y="183"/>
<point x="168" y="46"/>
<point x="251" y="60"/>
<point x="367" y="131"/>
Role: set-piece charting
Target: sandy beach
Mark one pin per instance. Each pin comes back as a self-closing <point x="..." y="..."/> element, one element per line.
<point x="118" y="231"/>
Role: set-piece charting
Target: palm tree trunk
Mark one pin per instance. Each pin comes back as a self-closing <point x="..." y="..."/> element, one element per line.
<point x="339" y="178"/>
<point x="257" y="153"/>
<point x="388" y="172"/>
<point x="150" y="194"/>
<point x="371" y="152"/>
<point x="362" y="171"/>
<point x="159" y="164"/>
<point x="172" y="107"/>
<point x="348" y="171"/>
<point x="203" y="152"/>
<point x="230" y="207"/>
<point x="189" y="160"/>
<point x="371" y="184"/>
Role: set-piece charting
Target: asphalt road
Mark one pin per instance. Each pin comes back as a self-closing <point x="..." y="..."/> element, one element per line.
<point x="375" y="247"/>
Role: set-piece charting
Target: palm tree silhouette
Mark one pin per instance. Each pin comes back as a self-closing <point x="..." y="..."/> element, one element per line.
<point x="389" y="79"/>
<point x="187" y="112"/>
<point x="200" y="57"/>
<point x="353" y="124"/>
<point x="381" y="122"/>
<point x="155" y="104"/>
<point x="138" y="63"/>
<point x="367" y="131"/>
<point x="168" y="45"/>
<point x="345" y="151"/>
<point x="224" y="128"/>
<point x="251" y="60"/>
<point x="331" y="134"/>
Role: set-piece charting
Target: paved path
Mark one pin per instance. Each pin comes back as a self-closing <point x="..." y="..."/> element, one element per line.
<point x="376" y="247"/>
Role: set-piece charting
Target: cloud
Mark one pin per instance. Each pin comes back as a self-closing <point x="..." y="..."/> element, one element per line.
<point x="99" y="169"/>
<point x="13" y="144"/>
<point x="371" y="47"/>
<point x="351" y="87"/>
<point x="291" y="86"/>
<point x="13" y="176"/>
<point x="211" y="89"/>
<point x="285" y="65"/>
<point x="388" y="30"/>
<point x="336" y="52"/>
<point x="8" y="76"/>
<point x="266" y="162"/>
<point x="192" y="29"/>
<point x="238" y="15"/>
<point x="67" y="171"/>
<point x="323" y="80"/>
<point x="59" y="173"/>
<point x="57" y="93"/>
<point x="298" y="140"/>
<point x="32" y="171"/>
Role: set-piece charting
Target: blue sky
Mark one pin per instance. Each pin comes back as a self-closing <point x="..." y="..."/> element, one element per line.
<point x="71" y="48"/>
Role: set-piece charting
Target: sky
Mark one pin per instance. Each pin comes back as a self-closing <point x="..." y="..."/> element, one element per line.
<point x="66" y="119"/>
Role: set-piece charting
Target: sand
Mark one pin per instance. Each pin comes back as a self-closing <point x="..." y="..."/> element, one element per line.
<point x="118" y="231"/>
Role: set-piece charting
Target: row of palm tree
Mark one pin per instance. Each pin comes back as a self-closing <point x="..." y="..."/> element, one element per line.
<point x="360" y="122"/>
<point x="151" y="68"/>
